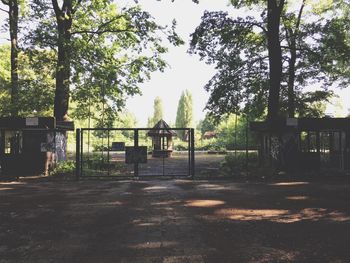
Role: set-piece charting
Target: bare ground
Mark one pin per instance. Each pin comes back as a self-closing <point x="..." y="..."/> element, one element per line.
<point x="175" y="221"/>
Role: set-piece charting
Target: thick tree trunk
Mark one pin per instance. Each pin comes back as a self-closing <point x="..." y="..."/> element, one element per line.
<point x="275" y="57"/>
<point x="13" y="22"/>
<point x="64" y="25"/>
<point x="291" y="78"/>
<point x="61" y="102"/>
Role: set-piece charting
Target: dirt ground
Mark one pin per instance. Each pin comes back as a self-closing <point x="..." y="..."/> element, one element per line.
<point x="175" y="221"/>
<point x="177" y="165"/>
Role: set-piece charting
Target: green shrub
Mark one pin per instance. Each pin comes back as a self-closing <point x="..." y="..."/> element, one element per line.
<point x="64" y="168"/>
<point x="237" y="164"/>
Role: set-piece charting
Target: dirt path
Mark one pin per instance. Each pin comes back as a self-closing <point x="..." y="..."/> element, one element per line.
<point x="174" y="221"/>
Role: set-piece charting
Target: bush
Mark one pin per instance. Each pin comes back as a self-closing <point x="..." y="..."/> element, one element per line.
<point x="236" y="165"/>
<point x="64" y="168"/>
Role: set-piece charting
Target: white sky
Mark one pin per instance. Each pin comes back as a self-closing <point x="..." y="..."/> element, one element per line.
<point x="185" y="71"/>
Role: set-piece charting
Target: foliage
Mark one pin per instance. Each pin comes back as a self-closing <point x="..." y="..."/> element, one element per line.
<point x="238" y="47"/>
<point x="63" y="168"/>
<point x="5" y="78"/>
<point x="36" y="83"/>
<point x="208" y="124"/>
<point x="110" y="50"/>
<point x="184" y="115"/>
<point x="229" y="135"/>
<point x="157" y="112"/>
<point x="236" y="165"/>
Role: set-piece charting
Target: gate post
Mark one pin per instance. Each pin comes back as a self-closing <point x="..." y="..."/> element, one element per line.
<point x="136" y="145"/>
<point x="77" y="154"/>
<point x="192" y="153"/>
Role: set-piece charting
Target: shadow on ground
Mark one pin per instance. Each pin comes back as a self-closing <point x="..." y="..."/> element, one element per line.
<point x="174" y="221"/>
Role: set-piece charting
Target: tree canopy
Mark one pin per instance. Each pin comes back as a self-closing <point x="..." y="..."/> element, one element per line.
<point x="184" y="115"/>
<point x="314" y="45"/>
<point x="157" y="112"/>
<point x="101" y="51"/>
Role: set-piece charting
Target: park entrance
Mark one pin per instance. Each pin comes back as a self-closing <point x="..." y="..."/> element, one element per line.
<point x="135" y="152"/>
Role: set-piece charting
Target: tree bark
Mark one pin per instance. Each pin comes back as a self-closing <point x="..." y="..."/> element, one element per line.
<point x="64" y="26"/>
<point x="13" y="23"/>
<point x="292" y="35"/>
<point x="275" y="57"/>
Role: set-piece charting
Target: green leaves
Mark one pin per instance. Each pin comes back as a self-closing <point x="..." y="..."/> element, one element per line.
<point x="112" y="51"/>
<point x="36" y="82"/>
<point x="184" y="115"/>
<point x="157" y="112"/>
<point x="237" y="46"/>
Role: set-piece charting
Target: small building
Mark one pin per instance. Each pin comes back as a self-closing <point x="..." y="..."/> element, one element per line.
<point x="209" y="135"/>
<point x="162" y="144"/>
<point x="305" y="143"/>
<point x="29" y="146"/>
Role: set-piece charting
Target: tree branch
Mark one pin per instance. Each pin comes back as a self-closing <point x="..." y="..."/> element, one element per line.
<point x="4" y="10"/>
<point x="281" y="5"/>
<point x="299" y="16"/>
<point x="102" y="31"/>
<point x="5" y="2"/>
<point x="252" y="24"/>
<point x="56" y="8"/>
<point x="75" y="8"/>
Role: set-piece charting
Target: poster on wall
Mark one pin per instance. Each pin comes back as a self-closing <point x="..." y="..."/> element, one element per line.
<point x="32" y="121"/>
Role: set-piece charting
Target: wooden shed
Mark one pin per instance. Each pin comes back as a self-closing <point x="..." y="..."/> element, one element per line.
<point x="28" y="146"/>
<point x="162" y="143"/>
<point x="305" y="143"/>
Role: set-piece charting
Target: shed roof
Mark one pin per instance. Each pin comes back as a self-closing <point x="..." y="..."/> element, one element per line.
<point x="303" y="124"/>
<point x="34" y="123"/>
<point x="161" y="129"/>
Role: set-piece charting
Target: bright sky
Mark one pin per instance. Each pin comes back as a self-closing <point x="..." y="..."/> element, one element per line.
<point x="185" y="71"/>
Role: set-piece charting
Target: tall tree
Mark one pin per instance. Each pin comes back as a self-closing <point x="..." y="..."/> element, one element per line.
<point x="239" y="47"/>
<point x="105" y="50"/>
<point x="13" y="29"/>
<point x="157" y="112"/>
<point x="64" y="19"/>
<point x="158" y="109"/>
<point x="292" y="35"/>
<point x="184" y="115"/>
<point x="274" y="11"/>
<point x="36" y="82"/>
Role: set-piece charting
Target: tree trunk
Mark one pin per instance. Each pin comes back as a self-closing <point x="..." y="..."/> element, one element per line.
<point x="275" y="57"/>
<point x="13" y="22"/>
<point x="64" y="25"/>
<point x="291" y="67"/>
<point x="291" y="78"/>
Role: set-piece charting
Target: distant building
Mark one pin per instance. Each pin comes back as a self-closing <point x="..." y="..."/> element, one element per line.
<point x="209" y="135"/>
<point x="161" y="135"/>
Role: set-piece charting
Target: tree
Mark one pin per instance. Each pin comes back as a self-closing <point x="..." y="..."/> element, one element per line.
<point x="208" y="124"/>
<point x="157" y="112"/>
<point x="5" y="79"/>
<point x="184" y="115"/>
<point x="105" y="57"/>
<point x="239" y="47"/>
<point x="274" y="11"/>
<point x="292" y="34"/>
<point x="35" y="83"/>
<point x="13" y="29"/>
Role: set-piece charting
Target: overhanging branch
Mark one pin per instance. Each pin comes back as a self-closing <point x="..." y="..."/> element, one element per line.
<point x="4" y="10"/>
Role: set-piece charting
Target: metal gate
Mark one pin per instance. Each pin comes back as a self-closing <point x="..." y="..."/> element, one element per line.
<point x="134" y="152"/>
